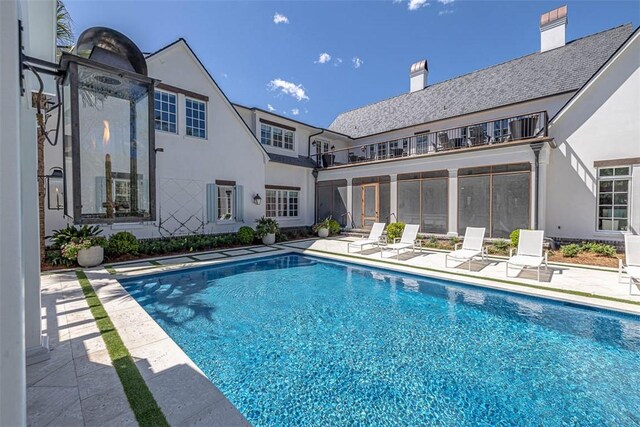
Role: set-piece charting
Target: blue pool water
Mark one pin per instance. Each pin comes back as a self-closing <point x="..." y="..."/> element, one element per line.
<point x="295" y="340"/>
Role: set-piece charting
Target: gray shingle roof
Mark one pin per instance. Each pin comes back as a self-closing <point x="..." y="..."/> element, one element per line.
<point x="302" y="161"/>
<point x="533" y="76"/>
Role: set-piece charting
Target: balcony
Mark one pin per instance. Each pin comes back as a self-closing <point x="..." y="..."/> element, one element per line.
<point x="499" y="131"/>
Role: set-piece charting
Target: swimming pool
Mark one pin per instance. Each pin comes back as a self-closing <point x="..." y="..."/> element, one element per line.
<point x="297" y="340"/>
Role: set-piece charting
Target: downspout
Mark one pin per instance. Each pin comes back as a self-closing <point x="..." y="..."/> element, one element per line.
<point x="315" y="177"/>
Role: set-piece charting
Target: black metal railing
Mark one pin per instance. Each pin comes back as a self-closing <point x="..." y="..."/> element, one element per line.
<point x="497" y="131"/>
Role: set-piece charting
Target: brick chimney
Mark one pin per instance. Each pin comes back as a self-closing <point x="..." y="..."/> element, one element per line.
<point x="553" y="26"/>
<point x="418" y="76"/>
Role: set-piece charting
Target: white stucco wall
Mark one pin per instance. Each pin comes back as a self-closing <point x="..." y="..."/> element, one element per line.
<point x="601" y="123"/>
<point x="294" y="176"/>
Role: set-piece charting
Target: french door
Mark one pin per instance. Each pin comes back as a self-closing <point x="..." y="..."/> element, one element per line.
<point x="370" y="204"/>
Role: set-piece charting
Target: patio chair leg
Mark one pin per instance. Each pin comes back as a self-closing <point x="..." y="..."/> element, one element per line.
<point x="469" y="264"/>
<point x="538" y="273"/>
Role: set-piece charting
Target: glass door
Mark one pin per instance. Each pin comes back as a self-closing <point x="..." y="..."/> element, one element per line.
<point x="370" y="205"/>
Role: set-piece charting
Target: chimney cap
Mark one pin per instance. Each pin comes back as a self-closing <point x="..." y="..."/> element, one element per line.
<point x="554" y="15"/>
<point x="419" y="66"/>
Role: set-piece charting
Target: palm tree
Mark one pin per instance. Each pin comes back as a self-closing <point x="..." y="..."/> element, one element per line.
<point x="64" y="39"/>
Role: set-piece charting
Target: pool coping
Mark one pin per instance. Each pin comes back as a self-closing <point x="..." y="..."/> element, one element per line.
<point x="201" y="403"/>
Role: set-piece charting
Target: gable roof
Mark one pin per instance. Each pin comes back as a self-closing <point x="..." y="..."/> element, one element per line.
<point x="182" y="42"/>
<point x="533" y="76"/>
<point x="576" y="97"/>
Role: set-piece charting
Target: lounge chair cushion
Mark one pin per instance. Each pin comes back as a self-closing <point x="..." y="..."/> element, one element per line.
<point x="394" y="246"/>
<point x="526" y="260"/>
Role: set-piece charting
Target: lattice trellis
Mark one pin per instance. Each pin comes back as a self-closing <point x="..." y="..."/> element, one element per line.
<point x="181" y="207"/>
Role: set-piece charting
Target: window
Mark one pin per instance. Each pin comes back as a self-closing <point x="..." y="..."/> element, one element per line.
<point x="277" y="137"/>
<point x="225" y="202"/>
<point x="613" y="198"/>
<point x="196" y="112"/>
<point x="281" y="203"/>
<point x="165" y="111"/>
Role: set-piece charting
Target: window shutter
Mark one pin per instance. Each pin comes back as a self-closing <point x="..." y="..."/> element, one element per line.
<point x="239" y="206"/>
<point x="101" y="192"/>
<point x="212" y="201"/>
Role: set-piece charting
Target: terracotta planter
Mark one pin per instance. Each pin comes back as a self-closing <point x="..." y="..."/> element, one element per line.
<point x="323" y="232"/>
<point x="269" y="239"/>
<point x="91" y="257"/>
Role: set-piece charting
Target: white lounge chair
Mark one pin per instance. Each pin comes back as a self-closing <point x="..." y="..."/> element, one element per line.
<point x="374" y="237"/>
<point x="408" y="240"/>
<point x="472" y="246"/>
<point x="631" y="265"/>
<point x="529" y="252"/>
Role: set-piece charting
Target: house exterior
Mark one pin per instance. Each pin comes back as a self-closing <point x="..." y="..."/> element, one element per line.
<point x="500" y="147"/>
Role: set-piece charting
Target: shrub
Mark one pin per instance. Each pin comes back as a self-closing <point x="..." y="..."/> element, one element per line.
<point x="515" y="238"/>
<point x="123" y="243"/>
<point x="334" y="227"/>
<point x="395" y="230"/>
<point x="61" y="237"/>
<point x="571" y="250"/>
<point x="600" y="249"/>
<point x="501" y="245"/>
<point x="266" y="226"/>
<point x="432" y="242"/>
<point x="245" y="235"/>
<point x="454" y="240"/>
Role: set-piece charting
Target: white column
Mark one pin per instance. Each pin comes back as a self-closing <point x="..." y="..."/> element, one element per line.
<point x="12" y="356"/>
<point x="532" y="193"/>
<point x="543" y="165"/>
<point x="393" y="195"/>
<point x="453" y="202"/>
<point x="349" y="203"/>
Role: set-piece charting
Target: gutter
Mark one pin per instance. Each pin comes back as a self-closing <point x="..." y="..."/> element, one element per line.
<point x="315" y="177"/>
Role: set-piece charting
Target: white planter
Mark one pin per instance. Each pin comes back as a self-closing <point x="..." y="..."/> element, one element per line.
<point x="323" y="232"/>
<point x="91" y="257"/>
<point x="269" y="239"/>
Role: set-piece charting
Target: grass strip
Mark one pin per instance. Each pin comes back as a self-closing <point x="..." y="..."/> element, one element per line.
<point x="154" y="262"/>
<point x="491" y="279"/>
<point x="110" y="269"/>
<point x="141" y="401"/>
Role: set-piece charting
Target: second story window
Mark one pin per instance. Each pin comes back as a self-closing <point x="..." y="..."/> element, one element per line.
<point x="196" y="118"/>
<point x="165" y="111"/>
<point x="277" y="137"/>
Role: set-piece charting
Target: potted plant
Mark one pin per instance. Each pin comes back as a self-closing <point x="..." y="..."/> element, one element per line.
<point x="266" y="230"/>
<point x="93" y="254"/>
<point x="322" y="228"/>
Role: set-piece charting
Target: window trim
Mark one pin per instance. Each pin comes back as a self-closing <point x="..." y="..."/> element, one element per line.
<point x="285" y="129"/>
<point x="177" y="132"/>
<point x="278" y="192"/>
<point x="206" y="118"/>
<point x="613" y="178"/>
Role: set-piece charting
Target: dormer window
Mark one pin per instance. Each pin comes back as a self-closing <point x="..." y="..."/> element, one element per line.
<point x="277" y="136"/>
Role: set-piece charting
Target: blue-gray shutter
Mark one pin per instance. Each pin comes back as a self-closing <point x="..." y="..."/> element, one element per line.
<point x="101" y="193"/>
<point x="212" y="201"/>
<point x="239" y="206"/>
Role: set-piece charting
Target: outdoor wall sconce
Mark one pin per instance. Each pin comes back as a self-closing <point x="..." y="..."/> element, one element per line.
<point x="55" y="189"/>
<point x="108" y="128"/>
<point x="257" y="199"/>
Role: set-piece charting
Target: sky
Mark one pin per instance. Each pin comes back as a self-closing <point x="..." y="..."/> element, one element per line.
<point x="311" y="60"/>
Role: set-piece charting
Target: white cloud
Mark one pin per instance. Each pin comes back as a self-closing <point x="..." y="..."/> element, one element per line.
<point x="445" y="12"/>
<point x="417" y="4"/>
<point x="357" y="62"/>
<point x="225" y="75"/>
<point x="445" y="2"/>
<point x="295" y="111"/>
<point x="337" y="62"/>
<point x="270" y="108"/>
<point x="323" y="58"/>
<point x="280" y="19"/>
<point x="288" y="88"/>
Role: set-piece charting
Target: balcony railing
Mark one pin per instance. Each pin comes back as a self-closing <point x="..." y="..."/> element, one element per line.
<point x="479" y="134"/>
